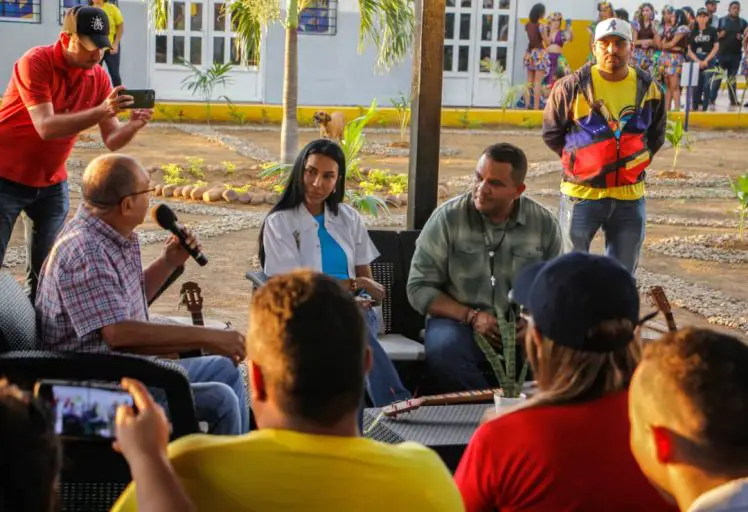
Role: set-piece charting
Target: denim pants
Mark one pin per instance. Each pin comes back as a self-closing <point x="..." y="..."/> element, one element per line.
<point x="703" y="91"/>
<point x="45" y="210"/>
<point x="220" y="394"/>
<point x="112" y="65"/>
<point x="453" y="357"/>
<point x="731" y="64"/>
<point x="383" y="382"/>
<point x="623" y="223"/>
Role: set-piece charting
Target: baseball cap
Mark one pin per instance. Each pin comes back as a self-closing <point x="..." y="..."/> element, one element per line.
<point x="573" y="294"/>
<point x="613" y="27"/>
<point x="701" y="11"/>
<point x="711" y="2"/>
<point x="89" y="24"/>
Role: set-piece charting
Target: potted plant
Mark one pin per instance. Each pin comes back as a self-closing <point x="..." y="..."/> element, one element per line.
<point x="504" y="364"/>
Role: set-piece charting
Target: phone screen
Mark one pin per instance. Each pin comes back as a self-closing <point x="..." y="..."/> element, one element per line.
<point x="142" y="98"/>
<point x="83" y="409"/>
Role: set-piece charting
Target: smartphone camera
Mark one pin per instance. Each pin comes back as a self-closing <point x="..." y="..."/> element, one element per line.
<point x="83" y="409"/>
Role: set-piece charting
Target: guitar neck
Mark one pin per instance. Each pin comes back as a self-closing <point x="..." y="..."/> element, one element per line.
<point x="670" y="319"/>
<point x="461" y="397"/>
<point x="197" y="318"/>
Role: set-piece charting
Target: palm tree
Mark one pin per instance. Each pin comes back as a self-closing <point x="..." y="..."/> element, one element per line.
<point x="388" y="24"/>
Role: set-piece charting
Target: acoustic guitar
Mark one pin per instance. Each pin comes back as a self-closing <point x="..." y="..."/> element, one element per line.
<point x="661" y="302"/>
<point x="462" y="397"/>
<point x="192" y="299"/>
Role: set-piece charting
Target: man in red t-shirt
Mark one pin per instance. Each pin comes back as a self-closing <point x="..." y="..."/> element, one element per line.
<point x="55" y="93"/>
<point x="567" y="448"/>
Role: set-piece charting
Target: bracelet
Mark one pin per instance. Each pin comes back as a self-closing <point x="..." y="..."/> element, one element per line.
<point x="470" y="316"/>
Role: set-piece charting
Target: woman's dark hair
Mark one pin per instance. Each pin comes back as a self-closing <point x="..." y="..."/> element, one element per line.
<point x="639" y="15"/>
<point x="680" y="18"/>
<point x="537" y="12"/>
<point x="689" y="12"/>
<point x="293" y="196"/>
<point x="622" y="14"/>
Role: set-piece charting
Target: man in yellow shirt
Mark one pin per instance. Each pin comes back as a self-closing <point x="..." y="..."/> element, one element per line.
<point x="116" y="29"/>
<point x="308" y="357"/>
<point x="606" y="122"/>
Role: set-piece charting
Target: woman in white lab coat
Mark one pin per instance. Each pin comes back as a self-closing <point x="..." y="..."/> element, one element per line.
<point x="311" y="227"/>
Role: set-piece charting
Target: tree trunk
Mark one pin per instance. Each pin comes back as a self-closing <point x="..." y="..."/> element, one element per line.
<point x="290" y="124"/>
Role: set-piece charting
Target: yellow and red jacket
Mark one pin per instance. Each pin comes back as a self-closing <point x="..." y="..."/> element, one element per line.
<point x="596" y="150"/>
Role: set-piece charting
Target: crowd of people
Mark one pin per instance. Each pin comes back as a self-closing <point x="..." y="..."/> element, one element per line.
<point x="661" y="44"/>
<point x="615" y="425"/>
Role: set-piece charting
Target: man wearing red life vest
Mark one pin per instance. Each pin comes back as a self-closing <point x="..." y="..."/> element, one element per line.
<point x="606" y="122"/>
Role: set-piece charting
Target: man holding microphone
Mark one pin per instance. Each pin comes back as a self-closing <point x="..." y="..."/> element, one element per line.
<point x="55" y="93"/>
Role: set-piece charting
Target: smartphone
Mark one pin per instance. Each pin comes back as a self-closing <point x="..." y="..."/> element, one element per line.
<point x="142" y="98"/>
<point x="83" y="409"/>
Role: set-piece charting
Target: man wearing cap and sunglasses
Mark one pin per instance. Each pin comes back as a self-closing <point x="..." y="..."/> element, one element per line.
<point x="567" y="447"/>
<point x="54" y="94"/>
<point x="606" y="122"/>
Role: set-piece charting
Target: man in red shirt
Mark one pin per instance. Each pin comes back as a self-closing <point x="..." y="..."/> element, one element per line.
<point x="55" y="93"/>
<point x="567" y="448"/>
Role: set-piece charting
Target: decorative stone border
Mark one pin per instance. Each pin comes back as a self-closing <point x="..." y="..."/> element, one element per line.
<point x="699" y="247"/>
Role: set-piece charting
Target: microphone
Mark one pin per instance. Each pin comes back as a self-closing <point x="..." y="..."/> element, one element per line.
<point x="165" y="217"/>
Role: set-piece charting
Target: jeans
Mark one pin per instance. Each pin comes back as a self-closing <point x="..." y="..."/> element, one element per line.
<point x="220" y="394"/>
<point x="731" y="64"/>
<point x="112" y="65"/>
<point x="383" y="382"/>
<point x="623" y="222"/>
<point x="45" y="210"/>
<point x="453" y="356"/>
<point x="702" y="93"/>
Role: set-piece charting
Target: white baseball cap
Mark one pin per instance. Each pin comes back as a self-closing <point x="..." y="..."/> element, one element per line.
<point x="613" y="27"/>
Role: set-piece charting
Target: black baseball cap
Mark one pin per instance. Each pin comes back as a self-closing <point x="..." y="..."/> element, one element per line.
<point x="569" y="296"/>
<point x="90" y="24"/>
<point x="714" y="2"/>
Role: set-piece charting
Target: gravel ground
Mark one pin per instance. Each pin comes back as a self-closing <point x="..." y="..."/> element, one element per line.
<point x="230" y="142"/>
<point x="715" y="306"/>
<point x="700" y="247"/>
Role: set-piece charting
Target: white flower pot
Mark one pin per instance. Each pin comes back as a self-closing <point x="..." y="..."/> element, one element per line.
<point x="506" y="404"/>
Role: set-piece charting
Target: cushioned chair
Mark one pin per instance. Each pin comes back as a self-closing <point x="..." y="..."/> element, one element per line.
<point x="93" y="474"/>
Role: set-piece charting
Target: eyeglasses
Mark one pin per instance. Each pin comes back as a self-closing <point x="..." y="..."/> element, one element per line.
<point x="119" y="201"/>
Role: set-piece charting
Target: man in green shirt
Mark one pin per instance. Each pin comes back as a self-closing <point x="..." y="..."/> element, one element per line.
<point x="466" y="259"/>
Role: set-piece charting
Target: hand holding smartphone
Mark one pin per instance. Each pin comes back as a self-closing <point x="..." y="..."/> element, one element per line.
<point x="142" y="98"/>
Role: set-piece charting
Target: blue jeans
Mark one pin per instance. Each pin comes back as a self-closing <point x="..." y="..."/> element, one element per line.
<point x="220" y="394"/>
<point x="45" y="210"/>
<point x="702" y="91"/>
<point x="453" y="356"/>
<point x="383" y="382"/>
<point x="112" y="65"/>
<point x="731" y="64"/>
<point x="623" y="222"/>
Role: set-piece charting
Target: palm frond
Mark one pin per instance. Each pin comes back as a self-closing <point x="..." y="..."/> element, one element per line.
<point x="389" y="25"/>
<point x="249" y="19"/>
<point x="159" y="10"/>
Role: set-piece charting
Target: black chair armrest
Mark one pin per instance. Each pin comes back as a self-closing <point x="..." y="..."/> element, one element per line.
<point x="169" y="281"/>
<point x="258" y="279"/>
<point x="29" y="366"/>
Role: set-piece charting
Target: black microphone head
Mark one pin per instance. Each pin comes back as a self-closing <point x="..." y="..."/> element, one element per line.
<point x="163" y="216"/>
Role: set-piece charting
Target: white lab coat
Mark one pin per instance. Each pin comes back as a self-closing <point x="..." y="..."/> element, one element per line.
<point x="291" y="240"/>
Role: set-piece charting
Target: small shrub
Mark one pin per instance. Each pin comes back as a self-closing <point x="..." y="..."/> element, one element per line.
<point x="236" y="115"/>
<point x="277" y="172"/>
<point x="173" y="174"/>
<point x="402" y="107"/>
<point x="366" y="203"/>
<point x="740" y="188"/>
<point x="239" y="189"/>
<point x="195" y="168"/>
<point x="677" y="137"/>
<point x="229" y="167"/>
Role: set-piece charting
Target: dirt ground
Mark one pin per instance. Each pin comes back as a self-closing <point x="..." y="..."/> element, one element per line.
<point x="226" y="293"/>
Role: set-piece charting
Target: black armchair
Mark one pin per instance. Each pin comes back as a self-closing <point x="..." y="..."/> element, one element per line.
<point x="93" y="475"/>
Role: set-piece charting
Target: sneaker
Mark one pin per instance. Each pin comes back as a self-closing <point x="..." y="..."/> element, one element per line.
<point x="712" y="108"/>
<point x="732" y="108"/>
